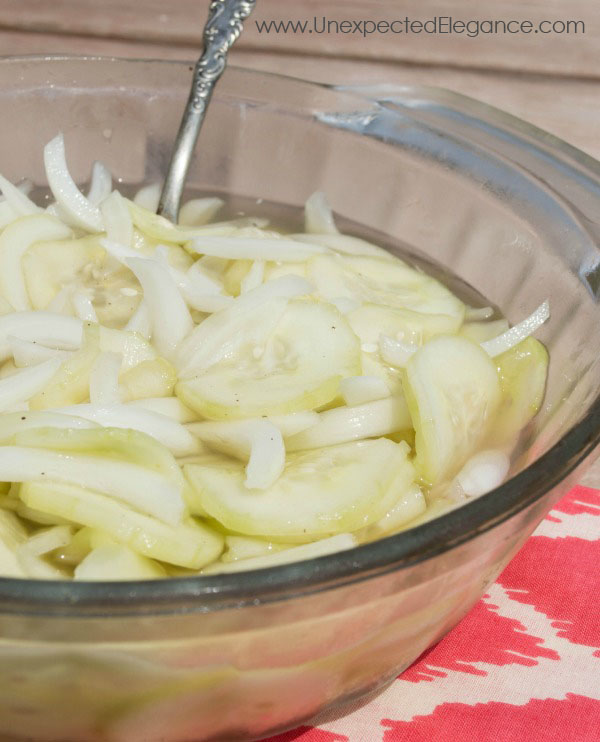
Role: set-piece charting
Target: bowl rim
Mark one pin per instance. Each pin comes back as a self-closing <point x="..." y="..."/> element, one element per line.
<point x="393" y="553"/>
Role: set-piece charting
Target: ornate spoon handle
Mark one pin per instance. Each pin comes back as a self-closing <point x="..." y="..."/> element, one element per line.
<point x="223" y="27"/>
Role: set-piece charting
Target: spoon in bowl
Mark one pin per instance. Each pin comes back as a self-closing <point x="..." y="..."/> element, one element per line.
<point x="223" y="27"/>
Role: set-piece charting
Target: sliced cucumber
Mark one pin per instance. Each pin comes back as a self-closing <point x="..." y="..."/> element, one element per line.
<point x="370" y="321"/>
<point x="453" y="392"/>
<point x="299" y="367"/>
<point x="523" y="371"/>
<point x="322" y="492"/>
<point x="380" y="281"/>
<point x="190" y="544"/>
<point x="48" y="266"/>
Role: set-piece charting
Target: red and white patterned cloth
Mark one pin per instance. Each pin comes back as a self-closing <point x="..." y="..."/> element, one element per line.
<point x="523" y="665"/>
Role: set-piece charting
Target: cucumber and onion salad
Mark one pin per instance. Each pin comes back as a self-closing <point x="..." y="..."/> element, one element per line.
<point x="213" y="396"/>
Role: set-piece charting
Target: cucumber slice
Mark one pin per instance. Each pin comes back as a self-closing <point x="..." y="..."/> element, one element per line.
<point x="523" y="371"/>
<point x="320" y="493"/>
<point x="15" y="241"/>
<point x="298" y="368"/>
<point x="453" y="392"/>
<point x="48" y="266"/>
<point x="190" y="544"/>
<point x="381" y="281"/>
<point x="370" y="321"/>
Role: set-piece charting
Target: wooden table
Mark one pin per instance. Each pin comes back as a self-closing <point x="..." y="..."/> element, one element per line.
<point x="551" y="80"/>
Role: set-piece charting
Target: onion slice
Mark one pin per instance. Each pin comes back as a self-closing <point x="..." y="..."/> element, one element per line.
<point x="318" y="218"/>
<point x="254" y="248"/>
<point x="162" y="428"/>
<point x="19" y="201"/>
<point x="483" y="472"/>
<point x="257" y="440"/>
<point x="516" y="334"/>
<point x="144" y="490"/>
<point x="169" y="316"/>
<point x="100" y="185"/>
<point x="78" y="209"/>
<point x="199" y="211"/>
<point x="357" y="390"/>
<point x="343" y="424"/>
<point x="24" y="384"/>
<point x="47" y="328"/>
<point x="396" y="352"/>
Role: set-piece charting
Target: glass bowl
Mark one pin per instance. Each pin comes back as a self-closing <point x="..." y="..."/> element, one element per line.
<point x="505" y="207"/>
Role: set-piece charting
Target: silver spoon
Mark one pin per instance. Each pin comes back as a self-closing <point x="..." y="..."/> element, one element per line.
<point x="223" y="27"/>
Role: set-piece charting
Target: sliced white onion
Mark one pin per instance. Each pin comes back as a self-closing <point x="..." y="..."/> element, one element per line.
<point x="53" y="330"/>
<point x="15" y="240"/>
<point x="23" y="384"/>
<point x="171" y="407"/>
<point x="119" y="251"/>
<point x="167" y="431"/>
<point x="144" y="490"/>
<point x="26" y="353"/>
<point x="244" y="248"/>
<point x="7" y="214"/>
<point x="356" y="390"/>
<point x="483" y="472"/>
<point x="15" y="422"/>
<point x="343" y="243"/>
<point x="43" y="542"/>
<point x="519" y="332"/>
<point x="191" y="286"/>
<point x="82" y="304"/>
<point x="117" y="219"/>
<point x="79" y="210"/>
<point x="218" y="335"/>
<point x="148" y="197"/>
<point x="254" y="277"/>
<point x="343" y="424"/>
<point x="202" y="281"/>
<point x="169" y="315"/>
<point x="396" y="352"/>
<point x="318" y="218"/>
<point x="324" y="546"/>
<point x="21" y="204"/>
<point x="472" y="314"/>
<point x="104" y="379"/>
<point x="100" y="185"/>
<point x="140" y="321"/>
<point x="294" y="422"/>
<point x="257" y="440"/>
<point x="199" y="211"/>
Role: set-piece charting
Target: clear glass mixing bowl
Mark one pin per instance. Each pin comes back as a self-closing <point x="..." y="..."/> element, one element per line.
<point x="506" y="207"/>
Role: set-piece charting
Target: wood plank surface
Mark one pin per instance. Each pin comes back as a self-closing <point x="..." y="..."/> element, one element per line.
<point x="180" y="22"/>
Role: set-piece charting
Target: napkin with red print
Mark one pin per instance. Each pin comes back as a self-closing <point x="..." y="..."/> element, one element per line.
<point x="523" y="665"/>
